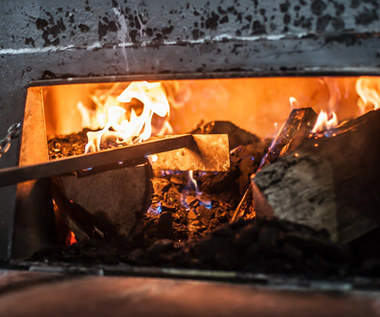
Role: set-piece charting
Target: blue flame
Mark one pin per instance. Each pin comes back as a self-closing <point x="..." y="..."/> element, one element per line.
<point x="155" y="210"/>
<point x="207" y="204"/>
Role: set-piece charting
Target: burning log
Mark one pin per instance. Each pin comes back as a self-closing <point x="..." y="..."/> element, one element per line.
<point x="330" y="182"/>
<point x="295" y="130"/>
<point x="292" y="134"/>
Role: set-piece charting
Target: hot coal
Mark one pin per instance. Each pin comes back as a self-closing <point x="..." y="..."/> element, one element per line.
<point x="181" y="212"/>
<point x="181" y="208"/>
<point x="256" y="245"/>
<point x="74" y="144"/>
<point x="63" y="146"/>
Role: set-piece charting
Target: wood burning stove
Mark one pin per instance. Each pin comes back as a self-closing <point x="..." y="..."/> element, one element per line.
<point x="97" y="42"/>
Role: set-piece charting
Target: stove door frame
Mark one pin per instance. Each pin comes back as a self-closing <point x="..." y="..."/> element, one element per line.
<point x="74" y="41"/>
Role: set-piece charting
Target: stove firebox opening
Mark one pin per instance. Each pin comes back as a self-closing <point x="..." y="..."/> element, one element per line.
<point x="243" y="174"/>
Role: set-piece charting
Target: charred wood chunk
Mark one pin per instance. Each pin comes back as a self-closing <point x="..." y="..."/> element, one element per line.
<point x="292" y="134"/>
<point x="328" y="182"/>
<point x="114" y="201"/>
<point x="295" y="130"/>
<point x="245" y="160"/>
<point x="165" y="225"/>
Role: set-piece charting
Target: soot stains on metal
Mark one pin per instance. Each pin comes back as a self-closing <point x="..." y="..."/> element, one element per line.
<point x="105" y="26"/>
<point x="139" y="25"/>
<point x="51" y="29"/>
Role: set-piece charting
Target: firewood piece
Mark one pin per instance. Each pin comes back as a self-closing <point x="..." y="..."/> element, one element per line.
<point x="115" y="200"/>
<point x="328" y="182"/>
<point x="236" y="135"/>
<point x="212" y="154"/>
<point x="295" y="130"/>
<point x="292" y="134"/>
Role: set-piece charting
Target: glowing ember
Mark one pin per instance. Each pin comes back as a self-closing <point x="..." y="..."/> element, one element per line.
<point x="113" y="119"/>
<point x="70" y="239"/>
<point x="368" y="88"/>
<point x="325" y="122"/>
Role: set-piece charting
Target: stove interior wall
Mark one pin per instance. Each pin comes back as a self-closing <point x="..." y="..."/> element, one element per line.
<point x="254" y="104"/>
<point x="34" y="218"/>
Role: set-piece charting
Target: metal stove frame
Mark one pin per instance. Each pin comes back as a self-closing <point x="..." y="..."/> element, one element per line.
<point x="56" y="42"/>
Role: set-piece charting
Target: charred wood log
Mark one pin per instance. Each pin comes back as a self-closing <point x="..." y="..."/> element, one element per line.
<point x="295" y="130"/>
<point x="328" y="182"/>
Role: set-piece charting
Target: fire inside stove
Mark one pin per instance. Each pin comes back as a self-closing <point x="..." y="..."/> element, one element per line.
<point x="268" y="187"/>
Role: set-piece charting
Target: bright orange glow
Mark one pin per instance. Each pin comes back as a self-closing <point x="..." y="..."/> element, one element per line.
<point x="324" y="122"/>
<point x="254" y="104"/>
<point x="111" y="116"/>
<point x="368" y="89"/>
<point x="70" y="239"/>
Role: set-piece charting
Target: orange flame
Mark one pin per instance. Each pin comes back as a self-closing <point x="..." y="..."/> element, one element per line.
<point x="70" y="239"/>
<point x="368" y="88"/>
<point x="324" y="123"/>
<point x="113" y="121"/>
